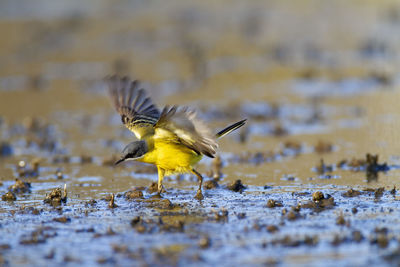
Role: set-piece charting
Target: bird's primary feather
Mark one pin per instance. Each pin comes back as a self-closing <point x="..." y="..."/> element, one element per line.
<point x="137" y="111"/>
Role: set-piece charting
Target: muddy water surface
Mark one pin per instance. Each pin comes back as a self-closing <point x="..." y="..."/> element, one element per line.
<point x="318" y="160"/>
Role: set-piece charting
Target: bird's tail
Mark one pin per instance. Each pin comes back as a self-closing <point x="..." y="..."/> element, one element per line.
<point x="231" y="128"/>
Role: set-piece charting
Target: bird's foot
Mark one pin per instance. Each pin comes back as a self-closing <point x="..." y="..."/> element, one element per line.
<point x="199" y="195"/>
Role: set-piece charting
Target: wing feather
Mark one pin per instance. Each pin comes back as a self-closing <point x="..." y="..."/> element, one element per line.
<point x="138" y="113"/>
<point x="181" y="125"/>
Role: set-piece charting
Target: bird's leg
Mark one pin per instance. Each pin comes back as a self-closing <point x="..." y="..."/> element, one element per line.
<point x="161" y="173"/>
<point x="199" y="194"/>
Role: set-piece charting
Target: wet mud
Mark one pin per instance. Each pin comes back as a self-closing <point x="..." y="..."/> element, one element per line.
<point x="310" y="180"/>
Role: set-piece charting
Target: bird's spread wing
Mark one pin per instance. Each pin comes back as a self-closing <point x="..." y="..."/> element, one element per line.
<point x="180" y="125"/>
<point x="138" y="113"/>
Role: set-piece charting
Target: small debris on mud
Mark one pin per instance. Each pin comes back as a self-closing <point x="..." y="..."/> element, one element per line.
<point x="112" y="203"/>
<point x="210" y="184"/>
<point x="236" y="186"/>
<point x="351" y="193"/>
<point x="319" y="202"/>
<point x="323" y="147"/>
<point x="271" y="203"/>
<point x="153" y="188"/>
<point x="55" y="198"/>
<point x="204" y="242"/>
<point x="133" y="194"/>
<point x="272" y="228"/>
<point x="20" y="187"/>
<point x="357" y="236"/>
<point x="9" y="196"/>
<point x="221" y="215"/>
<point x="341" y="221"/>
<point x="321" y="169"/>
<point x="62" y="219"/>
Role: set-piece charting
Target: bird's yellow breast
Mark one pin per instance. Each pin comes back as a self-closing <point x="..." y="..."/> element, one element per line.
<point x="172" y="157"/>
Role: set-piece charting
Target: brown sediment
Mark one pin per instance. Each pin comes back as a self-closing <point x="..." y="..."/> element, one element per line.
<point x="204" y="242"/>
<point x="133" y="194"/>
<point x="210" y="184"/>
<point x="9" y="196"/>
<point x="271" y="203"/>
<point x="323" y="147"/>
<point x="153" y="188"/>
<point x="236" y="186"/>
<point x="112" y="203"/>
<point x="55" y="198"/>
<point x="357" y="236"/>
<point x="351" y="193"/>
<point x="20" y="187"/>
<point x="272" y="228"/>
<point x="62" y="219"/>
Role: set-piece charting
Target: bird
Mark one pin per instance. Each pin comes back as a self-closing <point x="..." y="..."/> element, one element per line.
<point x="174" y="139"/>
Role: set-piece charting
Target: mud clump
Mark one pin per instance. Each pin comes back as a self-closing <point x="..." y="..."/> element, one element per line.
<point x="153" y="188"/>
<point x="321" y="169"/>
<point x="357" y="236"/>
<point x="112" y="204"/>
<point x="351" y="193"/>
<point x="221" y="215"/>
<point x="317" y="196"/>
<point x="211" y="184"/>
<point x="271" y="203"/>
<point x="56" y="198"/>
<point x="134" y="194"/>
<point x="236" y="186"/>
<point x="323" y="147"/>
<point x="340" y="220"/>
<point x="63" y="219"/>
<point x="272" y="228"/>
<point x="204" y="242"/>
<point x="319" y="202"/>
<point x="9" y="196"/>
<point x="20" y="187"/>
<point x="38" y="236"/>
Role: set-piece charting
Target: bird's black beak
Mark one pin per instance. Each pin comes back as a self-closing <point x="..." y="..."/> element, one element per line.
<point x="119" y="161"/>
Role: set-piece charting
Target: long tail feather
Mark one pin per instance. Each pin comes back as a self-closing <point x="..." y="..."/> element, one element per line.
<point x="230" y="128"/>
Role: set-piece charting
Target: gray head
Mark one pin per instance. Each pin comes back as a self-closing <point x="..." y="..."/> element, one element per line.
<point x="133" y="151"/>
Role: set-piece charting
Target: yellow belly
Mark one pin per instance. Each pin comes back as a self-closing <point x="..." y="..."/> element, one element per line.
<point x="171" y="157"/>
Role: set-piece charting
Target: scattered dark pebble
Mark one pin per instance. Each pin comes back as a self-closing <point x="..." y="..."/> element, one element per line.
<point x="317" y="196"/>
<point x="323" y="147"/>
<point x="221" y="215"/>
<point x="210" y="184"/>
<point x="55" y="198"/>
<point x="322" y="168"/>
<point x="134" y="194"/>
<point x="153" y="188"/>
<point x="20" y="187"/>
<point x="236" y="186"/>
<point x="351" y="193"/>
<point x="271" y="203"/>
<point x="84" y="159"/>
<point x="63" y="219"/>
<point x="340" y="220"/>
<point x="112" y="203"/>
<point x="241" y="215"/>
<point x="204" y="242"/>
<point x="272" y="228"/>
<point x="357" y="236"/>
<point x="9" y="196"/>
<point x="393" y="191"/>
<point x="354" y="210"/>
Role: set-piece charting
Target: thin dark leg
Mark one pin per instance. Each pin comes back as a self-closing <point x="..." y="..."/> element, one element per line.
<point x="199" y="194"/>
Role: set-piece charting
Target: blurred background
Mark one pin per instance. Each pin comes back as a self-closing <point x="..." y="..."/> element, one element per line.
<point x="317" y="80"/>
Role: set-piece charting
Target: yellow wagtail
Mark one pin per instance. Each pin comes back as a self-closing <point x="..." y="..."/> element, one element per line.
<point x="174" y="140"/>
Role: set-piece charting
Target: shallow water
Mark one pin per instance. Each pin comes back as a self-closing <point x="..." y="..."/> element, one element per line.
<point x="314" y="82"/>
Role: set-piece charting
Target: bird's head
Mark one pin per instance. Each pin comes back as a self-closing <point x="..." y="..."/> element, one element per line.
<point x="133" y="151"/>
